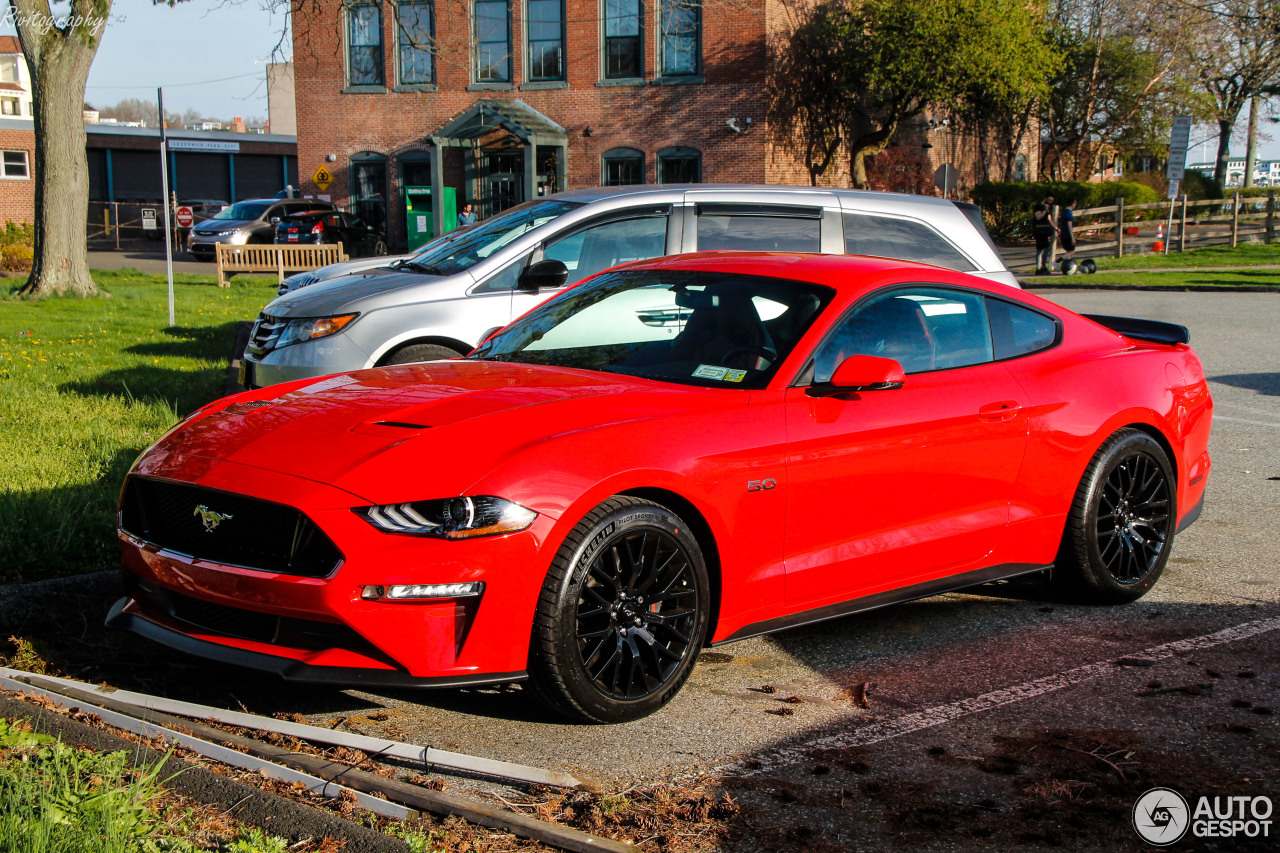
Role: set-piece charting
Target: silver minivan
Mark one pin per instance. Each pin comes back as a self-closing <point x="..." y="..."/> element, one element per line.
<point x="441" y="302"/>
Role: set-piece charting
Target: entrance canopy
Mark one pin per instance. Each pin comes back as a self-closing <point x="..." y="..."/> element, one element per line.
<point x="481" y="120"/>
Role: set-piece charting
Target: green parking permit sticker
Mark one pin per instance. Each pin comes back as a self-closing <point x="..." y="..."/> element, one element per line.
<point x="735" y="375"/>
<point x="710" y="371"/>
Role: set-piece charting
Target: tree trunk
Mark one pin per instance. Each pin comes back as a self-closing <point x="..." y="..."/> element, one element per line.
<point x="1251" y="149"/>
<point x="867" y="145"/>
<point x="1224" y="153"/>
<point x="59" y="62"/>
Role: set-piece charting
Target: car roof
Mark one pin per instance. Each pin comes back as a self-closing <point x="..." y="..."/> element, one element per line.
<point x="589" y="194"/>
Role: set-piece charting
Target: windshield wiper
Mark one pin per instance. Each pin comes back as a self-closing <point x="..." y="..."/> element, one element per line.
<point x="417" y="267"/>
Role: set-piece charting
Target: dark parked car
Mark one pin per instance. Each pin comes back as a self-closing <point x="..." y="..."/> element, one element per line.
<point x="245" y="222"/>
<point x="332" y="226"/>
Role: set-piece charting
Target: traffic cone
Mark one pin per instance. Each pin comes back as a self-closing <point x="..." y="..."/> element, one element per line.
<point x="1158" y="245"/>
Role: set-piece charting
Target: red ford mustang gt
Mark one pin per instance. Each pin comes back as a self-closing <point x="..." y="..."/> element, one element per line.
<point x="676" y="452"/>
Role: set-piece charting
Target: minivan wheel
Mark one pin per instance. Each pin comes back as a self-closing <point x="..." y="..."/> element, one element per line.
<point x="622" y="614"/>
<point x="380" y="248"/>
<point x="1121" y="524"/>
<point x="415" y="353"/>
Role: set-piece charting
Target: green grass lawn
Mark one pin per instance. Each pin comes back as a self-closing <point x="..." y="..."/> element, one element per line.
<point x="1244" y="255"/>
<point x="85" y="386"/>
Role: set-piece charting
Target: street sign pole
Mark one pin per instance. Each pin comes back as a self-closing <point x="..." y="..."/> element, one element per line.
<point x="164" y="185"/>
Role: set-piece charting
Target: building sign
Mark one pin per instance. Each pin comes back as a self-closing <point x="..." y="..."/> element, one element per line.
<point x="203" y="145"/>
<point x="322" y="178"/>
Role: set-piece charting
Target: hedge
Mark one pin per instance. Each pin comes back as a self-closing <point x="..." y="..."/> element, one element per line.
<point x="1006" y="207"/>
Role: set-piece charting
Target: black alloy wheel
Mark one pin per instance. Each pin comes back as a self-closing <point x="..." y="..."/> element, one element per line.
<point x="1121" y="524"/>
<point x="622" y="613"/>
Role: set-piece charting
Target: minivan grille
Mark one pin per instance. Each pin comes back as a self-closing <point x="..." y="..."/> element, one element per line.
<point x="265" y="335"/>
<point x="224" y="527"/>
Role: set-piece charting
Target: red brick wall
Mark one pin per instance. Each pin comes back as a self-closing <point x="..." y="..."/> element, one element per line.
<point x="647" y="117"/>
<point x="17" y="196"/>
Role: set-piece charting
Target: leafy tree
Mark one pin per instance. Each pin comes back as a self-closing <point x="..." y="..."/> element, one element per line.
<point x="59" y="48"/>
<point x="850" y="72"/>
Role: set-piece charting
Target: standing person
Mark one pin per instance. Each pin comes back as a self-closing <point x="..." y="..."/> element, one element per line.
<point x="1067" y="233"/>
<point x="1043" y="230"/>
<point x="466" y="216"/>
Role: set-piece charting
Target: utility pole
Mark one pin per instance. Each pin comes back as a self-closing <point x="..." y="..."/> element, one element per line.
<point x="164" y="185"/>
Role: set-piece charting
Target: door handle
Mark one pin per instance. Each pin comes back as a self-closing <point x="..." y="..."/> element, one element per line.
<point x="1005" y="410"/>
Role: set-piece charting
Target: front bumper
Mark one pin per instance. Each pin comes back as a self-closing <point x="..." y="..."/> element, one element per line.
<point x="307" y="360"/>
<point x="320" y="629"/>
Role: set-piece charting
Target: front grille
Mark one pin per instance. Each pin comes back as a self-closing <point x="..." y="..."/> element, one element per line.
<point x="265" y="335"/>
<point x="227" y="528"/>
<point x="246" y="624"/>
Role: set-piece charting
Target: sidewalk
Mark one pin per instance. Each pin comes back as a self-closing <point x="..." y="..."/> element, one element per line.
<point x="147" y="261"/>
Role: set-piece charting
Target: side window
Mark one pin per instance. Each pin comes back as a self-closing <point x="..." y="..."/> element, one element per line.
<point x="506" y="278"/>
<point x="723" y="228"/>
<point x="276" y="211"/>
<point x="886" y="237"/>
<point x="596" y="248"/>
<point x="1019" y="331"/>
<point x="921" y="328"/>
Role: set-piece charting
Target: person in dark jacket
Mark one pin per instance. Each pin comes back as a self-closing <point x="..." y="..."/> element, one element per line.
<point x="1067" y="236"/>
<point x="1043" y="230"/>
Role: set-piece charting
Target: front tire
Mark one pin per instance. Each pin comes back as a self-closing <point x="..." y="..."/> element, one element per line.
<point x="419" y="352"/>
<point x="622" y="614"/>
<point x="1120" y="528"/>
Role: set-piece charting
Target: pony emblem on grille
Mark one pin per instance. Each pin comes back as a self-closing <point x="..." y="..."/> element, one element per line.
<point x="210" y="518"/>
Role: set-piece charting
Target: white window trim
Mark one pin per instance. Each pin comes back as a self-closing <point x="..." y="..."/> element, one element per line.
<point x="26" y="161"/>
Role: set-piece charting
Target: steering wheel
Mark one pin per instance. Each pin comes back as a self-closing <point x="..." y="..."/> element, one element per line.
<point x="764" y="352"/>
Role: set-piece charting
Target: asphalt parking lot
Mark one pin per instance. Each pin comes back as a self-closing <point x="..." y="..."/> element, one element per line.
<point x="1001" y="714"/>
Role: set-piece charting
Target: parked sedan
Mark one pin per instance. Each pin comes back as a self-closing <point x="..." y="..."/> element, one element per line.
<point x="332" y="226"/>
<point x="244" y="222"/>
<point x="677" y="452"/>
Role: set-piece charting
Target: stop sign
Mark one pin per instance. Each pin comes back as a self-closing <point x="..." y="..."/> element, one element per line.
<point x="184" y="216"/>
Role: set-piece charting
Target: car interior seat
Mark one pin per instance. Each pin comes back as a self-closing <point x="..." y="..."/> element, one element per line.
<point x="726" y="322"/>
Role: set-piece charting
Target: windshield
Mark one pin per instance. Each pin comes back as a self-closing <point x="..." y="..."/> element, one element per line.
<point x="242" y="210"/>
<point x="454" y="254"/>
<point x="713" y="329"/>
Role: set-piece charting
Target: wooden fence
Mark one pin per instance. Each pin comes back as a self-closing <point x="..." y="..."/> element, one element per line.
<point x="1231" y="219"/>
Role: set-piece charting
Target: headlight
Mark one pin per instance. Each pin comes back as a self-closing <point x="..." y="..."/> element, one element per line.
<point x="451" y="518"/>
<point x="311" y="328"/>
<point x="229" y="232"/>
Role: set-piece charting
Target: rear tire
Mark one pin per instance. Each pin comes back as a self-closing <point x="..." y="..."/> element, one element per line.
<point x="622" y="614"/>
<point x="420" y="352"/>
<point x="379" y="248"/>
<point x="1121" y="525"/>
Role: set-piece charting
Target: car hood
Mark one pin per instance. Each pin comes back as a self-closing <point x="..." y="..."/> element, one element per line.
<point x="337" y="295"/>
<point x="441" y="425"/>
<point x="224" y="224"/>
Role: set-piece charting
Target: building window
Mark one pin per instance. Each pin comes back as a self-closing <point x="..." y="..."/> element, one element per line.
<point x="364" y="45"/>
<point x="622" y="39"/>
<point x="15" y="164"/>
<point x="416" y="27"/>
<point x="679" y="165"/>
<point x="493" y="41"/>
<point x="1118" y="167"/>
<point x="10" y="107"/>
<point x="546" y="39"/>
<point x="681" y="35"/>
<point x="10" y="69"/>
<point x="369" y="188"/>
<point x="622" y="166"/>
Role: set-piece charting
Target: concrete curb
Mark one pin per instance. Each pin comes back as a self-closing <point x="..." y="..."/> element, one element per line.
<point x="274" y="814"/>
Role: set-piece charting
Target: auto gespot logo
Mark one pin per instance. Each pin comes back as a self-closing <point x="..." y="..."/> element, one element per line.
<point x="1162" y="816"/>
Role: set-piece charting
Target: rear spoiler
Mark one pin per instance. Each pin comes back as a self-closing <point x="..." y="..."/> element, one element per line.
<point x="1144" y="330"/>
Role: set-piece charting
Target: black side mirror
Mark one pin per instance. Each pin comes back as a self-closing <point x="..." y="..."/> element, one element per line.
<point x="544" y="275"/>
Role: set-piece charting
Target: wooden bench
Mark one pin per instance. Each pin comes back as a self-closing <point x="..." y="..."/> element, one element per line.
<point x="278" y="259"/>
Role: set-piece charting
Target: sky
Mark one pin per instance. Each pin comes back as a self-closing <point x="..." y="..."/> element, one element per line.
<point x="183" y="47"/>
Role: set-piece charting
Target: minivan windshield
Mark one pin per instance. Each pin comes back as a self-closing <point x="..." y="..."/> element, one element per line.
<point x="714" y="329"/>
<point x="243" y="210"/>
<point x="446" y="257"/>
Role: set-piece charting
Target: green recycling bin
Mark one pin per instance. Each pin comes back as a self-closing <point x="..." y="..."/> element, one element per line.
<point x="419" y="214"/>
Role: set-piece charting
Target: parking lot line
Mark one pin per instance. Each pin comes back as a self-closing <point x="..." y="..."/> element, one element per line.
<point x="942" y="714"/>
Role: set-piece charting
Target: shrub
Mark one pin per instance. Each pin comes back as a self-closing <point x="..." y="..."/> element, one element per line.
<point x="16" y="258"/>
<point x="17" y="235"/>
<point x="1006" y="207"/>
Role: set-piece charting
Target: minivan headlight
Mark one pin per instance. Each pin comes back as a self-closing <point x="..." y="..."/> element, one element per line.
<point x="310" y="328"/>
<point x="451" y="518"/>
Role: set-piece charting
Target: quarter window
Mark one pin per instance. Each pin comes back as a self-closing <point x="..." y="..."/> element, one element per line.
<point x="887" y="237"/>
<point x="493" y="41"/>
<point x="1019" y="331"/>
<point x="15" y="164"/>
<point x="622" y="166"/>
<point x="622" y="39"/>
<point x="546" y="39"/>
<point x="679" y="165"/>
<point x="415" y="25"/>
<point x="364" y="45"/>
<point x="681" y="37"/>
<point x="922" y="329"/>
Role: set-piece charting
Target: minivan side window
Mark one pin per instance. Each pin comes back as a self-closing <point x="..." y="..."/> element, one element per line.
<point x="889" y="237"/>
<point x="739" y="227"/>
